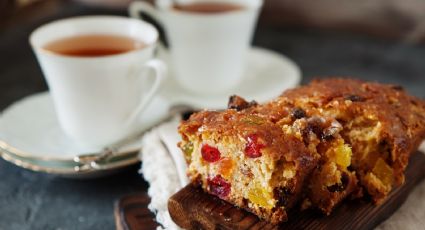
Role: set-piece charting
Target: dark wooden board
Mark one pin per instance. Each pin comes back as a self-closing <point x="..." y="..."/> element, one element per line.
<point x="191" y="208"/>
<point x="131" y="212"/>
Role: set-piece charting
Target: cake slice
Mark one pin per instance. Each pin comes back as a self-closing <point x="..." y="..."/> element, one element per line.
<point x="246" y="160"/>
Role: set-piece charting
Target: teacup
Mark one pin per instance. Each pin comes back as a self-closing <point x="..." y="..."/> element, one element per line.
<point x="99" y="98"/>
<point x="208" y="49"/>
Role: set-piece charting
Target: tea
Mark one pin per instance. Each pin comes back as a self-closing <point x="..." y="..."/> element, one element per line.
<point x="94" y="45"/>
<point x="208" y="7"/>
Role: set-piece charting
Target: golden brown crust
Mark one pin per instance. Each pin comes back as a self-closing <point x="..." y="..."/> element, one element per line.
<point x="233" y="123"/>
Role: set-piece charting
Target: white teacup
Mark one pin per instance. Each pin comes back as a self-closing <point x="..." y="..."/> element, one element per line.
<point x="98" y="99"/>
<point x="207" y="51"/>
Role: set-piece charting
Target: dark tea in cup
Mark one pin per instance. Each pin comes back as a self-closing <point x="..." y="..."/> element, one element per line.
<point x="94" y="45"/>
<point x="208" y="7"/>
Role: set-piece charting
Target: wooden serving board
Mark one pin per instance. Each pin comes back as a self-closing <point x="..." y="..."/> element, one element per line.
<point x="191" y="208"/>
<point x="131" y="212"/>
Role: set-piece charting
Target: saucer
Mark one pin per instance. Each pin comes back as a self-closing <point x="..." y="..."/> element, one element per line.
<point x="266" y="76"/>
<point x="30" y="137"/>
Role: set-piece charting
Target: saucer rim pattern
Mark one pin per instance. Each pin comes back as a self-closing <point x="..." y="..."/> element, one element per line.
<point x="66" y="172"/>
<point x="69" y="167"/>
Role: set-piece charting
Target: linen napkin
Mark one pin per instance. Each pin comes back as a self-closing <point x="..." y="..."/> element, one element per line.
<point x="163" y="166"/>
<point x="165" y="169"/>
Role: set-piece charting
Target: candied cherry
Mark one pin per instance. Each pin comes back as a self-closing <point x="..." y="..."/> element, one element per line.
<point x="219" y="186"/>
<point x="209" y="153"/>
<point x="253" y="146"/>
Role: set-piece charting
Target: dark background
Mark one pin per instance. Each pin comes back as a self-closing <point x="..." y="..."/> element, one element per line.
<point x="364" y="46"/>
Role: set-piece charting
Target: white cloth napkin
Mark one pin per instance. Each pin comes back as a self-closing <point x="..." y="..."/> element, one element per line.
<point x="163" y="166"/>
<point x="165" y="169"/>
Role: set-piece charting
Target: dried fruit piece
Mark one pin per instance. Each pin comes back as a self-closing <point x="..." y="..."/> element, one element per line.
<point x="282" y="196"/>
<point x="330" y="131"/>
<point x="253" y="146"/>
<point x="354" y="97"/>
<point x="209" y="153"/>
<point x="238" y="103"/>
<point x="384" y="172"/>
<point x="343" y="155"/>
<point x="298" y="113"/>
<point x="187" y="150"/>
<point x="225" y="166"/>
<point x="314" y="125"/>
<point x="260" y="196"/>
<point x="219" y="186"/>
<point x="252" y="120"/>
<point x="339" y="187"/>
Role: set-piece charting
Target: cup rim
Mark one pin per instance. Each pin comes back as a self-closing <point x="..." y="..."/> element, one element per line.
<point x="51" y="53"/>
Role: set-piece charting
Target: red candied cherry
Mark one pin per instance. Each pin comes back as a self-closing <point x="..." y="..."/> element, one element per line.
<point x="253" y="147"/>
<point x="219" y="186"/>
<point x="209" y="153"/>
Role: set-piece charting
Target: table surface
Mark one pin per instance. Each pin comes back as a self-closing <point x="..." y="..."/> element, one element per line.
<point x="30" y="200"/>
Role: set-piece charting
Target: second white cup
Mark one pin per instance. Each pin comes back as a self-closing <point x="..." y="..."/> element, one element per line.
<point x="208" y="50"/>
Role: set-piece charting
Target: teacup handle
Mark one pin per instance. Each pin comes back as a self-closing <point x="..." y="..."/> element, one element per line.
<point x="137" y="7"/>
<point x="159" y="72"/>
<point x="142" y="6"/>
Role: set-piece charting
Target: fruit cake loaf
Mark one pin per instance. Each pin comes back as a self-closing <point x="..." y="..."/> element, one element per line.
<point x="360" y="131"/>
<point x="246" y="160"/>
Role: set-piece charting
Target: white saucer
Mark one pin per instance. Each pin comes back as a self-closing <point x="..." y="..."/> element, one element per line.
<point x="30" y="136"/>
<point x="266" y="76"/>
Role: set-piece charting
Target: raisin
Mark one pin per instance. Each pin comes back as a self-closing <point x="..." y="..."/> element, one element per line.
<point x="315" y="125"/>
<point x="397" y="87"/>
<point x="306" y="136"/>
<point x="252" y="103"/>
<point x="298" y="113"/>
<point x="344" y="179"/>
<point x="209" y="153"/>
<point x="219" y="186"/>
<point x="238" y="103"/>
<point x="340" y="186"/>
<point x="253" y="146"/>
<point x="330" y="131"/>
<point x="354" y="98"/>
<point x="186" y="115"/>
<point x="282" y="195"/>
